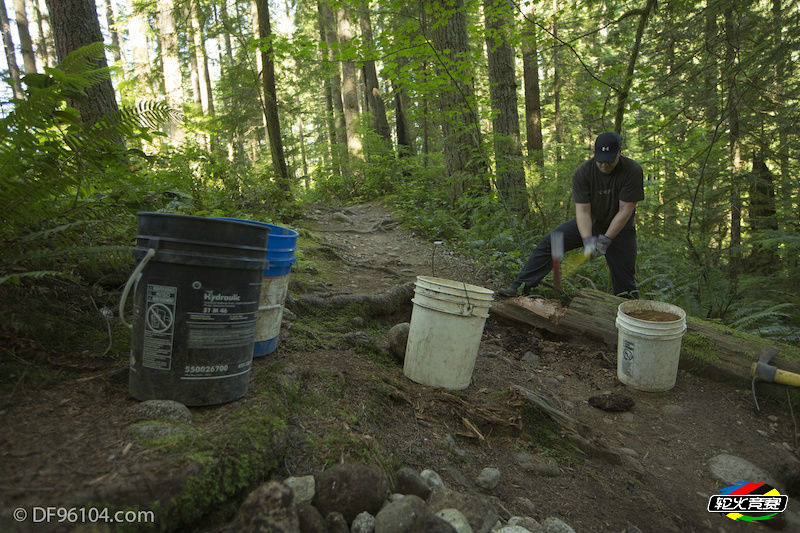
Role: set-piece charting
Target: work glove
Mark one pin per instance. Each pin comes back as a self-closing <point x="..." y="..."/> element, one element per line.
<point x="590" y="246"/>
<point x="602" y="244"/>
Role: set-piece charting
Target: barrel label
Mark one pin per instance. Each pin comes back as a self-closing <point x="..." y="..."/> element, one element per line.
<point x="159" y="326"/>
<point x="628" y="350"/>
<point x="222" y="320"/>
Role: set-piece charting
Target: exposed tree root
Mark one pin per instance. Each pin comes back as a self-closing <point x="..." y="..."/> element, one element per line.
<point x="373" y="305"/>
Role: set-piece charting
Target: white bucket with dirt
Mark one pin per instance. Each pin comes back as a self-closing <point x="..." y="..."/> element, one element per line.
<point x="445" y="332"/>
<point x="649" y="344"/>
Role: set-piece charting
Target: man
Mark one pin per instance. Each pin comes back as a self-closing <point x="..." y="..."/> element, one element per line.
<point x="605" y="189"/>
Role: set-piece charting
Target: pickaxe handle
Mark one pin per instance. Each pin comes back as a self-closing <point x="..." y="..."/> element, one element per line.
<point x="770" y="374"/>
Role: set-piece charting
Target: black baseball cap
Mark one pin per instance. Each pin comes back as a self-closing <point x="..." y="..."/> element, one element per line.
<point x="606" y="146"/>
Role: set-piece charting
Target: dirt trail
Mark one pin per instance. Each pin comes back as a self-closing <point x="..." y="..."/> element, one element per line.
<point x="647" y="467"/>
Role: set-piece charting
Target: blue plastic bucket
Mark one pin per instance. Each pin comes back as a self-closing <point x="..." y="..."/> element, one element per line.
<point x="281" y="244"/>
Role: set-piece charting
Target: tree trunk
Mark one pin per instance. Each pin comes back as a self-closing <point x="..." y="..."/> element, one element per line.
<point x="271" y="100"/>
<point x="503" y="93"/>
<point x="137" y="33"/>
<point x="171" y="65"/>
<point x="463" y="153"/>
<point x="201" y="58"/>
<point x="42" y="47"/>
<point x="75" y="24"/>
<point x="533" y="103"/>
<point x="372" y="89"/>
<point x="191" y="38"/>
<point x="558" y="120"/>
<point x="622" y="96"/>
<point x="11" y="57"/>
<point x="349" y="85"/>
<point x="112" y="30"/>
<point x="403" y="125"/>
<point x="735" y="146"/>
<point x="25" y="41"/>
<point x="302" y="136"/>
<point x="227" y="33"/>
<point x="340" y="128"/>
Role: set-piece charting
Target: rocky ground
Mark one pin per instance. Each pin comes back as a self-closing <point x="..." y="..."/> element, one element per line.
<point x="529" y="444"/>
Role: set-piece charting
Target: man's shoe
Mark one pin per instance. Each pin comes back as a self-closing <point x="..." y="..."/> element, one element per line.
<point x="508" y="292"/>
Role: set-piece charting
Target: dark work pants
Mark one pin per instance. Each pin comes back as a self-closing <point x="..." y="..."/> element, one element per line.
<point x="620" y="256"/>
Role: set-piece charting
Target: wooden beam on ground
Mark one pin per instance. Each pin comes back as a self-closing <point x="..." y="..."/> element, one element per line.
<point x="708" y="349"/>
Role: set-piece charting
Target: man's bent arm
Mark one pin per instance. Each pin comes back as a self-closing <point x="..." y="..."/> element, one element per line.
<point x="583" y="216"/>
<point x="620" y="219"/>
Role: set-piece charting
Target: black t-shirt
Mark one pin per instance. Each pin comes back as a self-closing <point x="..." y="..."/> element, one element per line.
<point x="604" y="191"/>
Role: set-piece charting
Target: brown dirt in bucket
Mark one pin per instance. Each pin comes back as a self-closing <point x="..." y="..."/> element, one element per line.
<point x="654" y="316"/>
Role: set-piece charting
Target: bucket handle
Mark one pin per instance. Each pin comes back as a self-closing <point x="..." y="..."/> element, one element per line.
<point x="134" y="275"/>
<point x="469" y="306"/>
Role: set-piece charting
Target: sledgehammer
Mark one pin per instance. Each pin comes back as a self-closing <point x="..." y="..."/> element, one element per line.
<point x="763" y="371"/>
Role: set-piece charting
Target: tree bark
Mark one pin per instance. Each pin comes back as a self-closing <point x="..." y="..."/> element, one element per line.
<point x="463" y="153"/>
<point x="137" y="32"/>
<point x="223" y="4"/>
<point x="171" y="65"/>
<point x="735" y="146"/>
<point x="25" y="41"/>
<point x="42" y="47"/>
<point x="349" y="85"/>
<point x="271" y="100"/>
<point x="112" y="30"/>
<point x="558" y="120"/>
<point x="503" y="93"/>
<point x="75" y="25"/>
<point x="191" y="38"/>
<point x="372" y="89"/>
<point x="533" y="104"/>
<point x="11" y="57"/>
<point x="201" y="58"/>
<point x="328" y="22"/>
<point x="622" y="96"/>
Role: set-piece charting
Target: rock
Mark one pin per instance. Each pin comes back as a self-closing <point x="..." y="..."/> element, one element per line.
<point x="612" y="402"/>
<point x="341" y="217"/>
<point x="538" y="464"/>
<point x="672" y="410"/>
<point x="531" y="357"/>
<point x="350" y="489"/>
<point x="359" y="338"/>
<point x="731" y="470"/>
<point x="363" y="523"/>
<point x="395" y="496"/>
<point x="488" y="478"/>
<point x="512" y="529"/>
<point x="160" y="410"/>
<point x="408" y="481"/>
<point x="336" y="523"/>
<point x="288" y="316"/>
<point x="453" y="446"/>
<point x="499" y="506"/>
<point x="525" y="505"/>
<point x="628" y="451"/>
<point x="628" y="417"/>
<point x="479" y="512"/>
<point x="632" y="464"/>
<point x="309" y="518"/>
<point x="357" y="321"/>
<point x="525" y="521"/>
<point x="268" y="509"/>
<point x="431" y="478"/>
<point x="409" y="515"/>
<point x="398" y="338"/>
<point x="302" y="487"/>
<point x="455" y="518"/>
<point x="152" y="430"/>
<point x="457" y="476"/>
<point x="555" y="525"/>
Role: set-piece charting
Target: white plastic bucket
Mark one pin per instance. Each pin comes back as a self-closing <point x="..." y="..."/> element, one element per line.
<point x="648" y="351"/>
<point x="270" y="314"/>
<point x="445" y="332"/>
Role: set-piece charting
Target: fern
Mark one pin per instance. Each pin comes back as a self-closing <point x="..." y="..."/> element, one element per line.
<point x="61" y="178"/>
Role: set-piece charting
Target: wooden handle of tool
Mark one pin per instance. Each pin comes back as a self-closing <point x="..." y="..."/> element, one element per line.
<point x="787" y="378"/>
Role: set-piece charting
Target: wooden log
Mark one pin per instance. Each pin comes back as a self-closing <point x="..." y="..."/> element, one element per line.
<point x="708" y="349"/>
